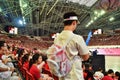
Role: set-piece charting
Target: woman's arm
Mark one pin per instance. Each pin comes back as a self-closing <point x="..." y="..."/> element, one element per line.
<point x="40" y="66"/>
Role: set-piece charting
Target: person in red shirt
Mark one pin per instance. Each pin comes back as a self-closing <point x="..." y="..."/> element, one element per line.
<point x="35" y="67"/>
<point x="109" y="75"/>
<point x="25" y="61"/>
<point x="45" y="60"/>
<point x="34" y="70"/>
<point x="117" y="75"/>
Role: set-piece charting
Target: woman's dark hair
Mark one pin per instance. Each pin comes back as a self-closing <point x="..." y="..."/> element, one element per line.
<point x="110" y="71"/>
<point x="8" y="47"/>
<point x="2" y="44"/>
<point x="25" y="58"/>
<point x="117" y="74"/>
<point x="44" y="57"/>
<point x="34" y="59"/>
<point x="20" y="53"/>
<point x="100" y="69"/>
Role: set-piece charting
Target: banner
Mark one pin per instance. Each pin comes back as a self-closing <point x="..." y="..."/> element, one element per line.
<point x="108" y="51"/>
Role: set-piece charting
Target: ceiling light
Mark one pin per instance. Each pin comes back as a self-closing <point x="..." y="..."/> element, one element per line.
<point x="24" y="5"/>
<point x="20" y="22"/>
<point x="95" y="12"/>
<point x="95" y="18"/>
<point x="0" y="9"/>
<point x="111" y="18"/>
<point x="102" y="12"/>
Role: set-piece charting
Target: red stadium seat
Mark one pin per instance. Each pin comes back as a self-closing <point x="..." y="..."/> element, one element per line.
<point x="29" y="76"/>
<point x="19" y="65"/>
<point x="24" y="71"/>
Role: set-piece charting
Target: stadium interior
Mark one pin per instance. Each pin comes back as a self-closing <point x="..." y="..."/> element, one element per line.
<point x="34" y="23"/>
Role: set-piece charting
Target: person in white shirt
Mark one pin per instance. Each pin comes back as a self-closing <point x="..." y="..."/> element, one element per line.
<point x="76" y="49"/>
<point x="98" y="75"/>
<point x="5" y="71"/>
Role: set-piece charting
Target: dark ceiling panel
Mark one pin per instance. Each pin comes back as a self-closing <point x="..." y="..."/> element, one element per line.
<point x="47" y="15"/>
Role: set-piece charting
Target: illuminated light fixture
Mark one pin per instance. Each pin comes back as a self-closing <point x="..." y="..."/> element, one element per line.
<point x="24" y="22"/>
<point x="99" y="13"/>
<point x="91" y="21"/>
<point x="24" y="6"/>
<point x="102" y="12"/>
<point x="95" y="18"/>
<point x="111" y="18"/>
<point x="95" y="12"/>
<point x="0" y="9"/>
<point x="87" y="25"/>
<point x="20" y="22"/>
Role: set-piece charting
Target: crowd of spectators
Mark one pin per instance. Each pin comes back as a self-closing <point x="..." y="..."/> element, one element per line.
<point x="100" y="74"/>
<point x="32" y="60"/>
<point x="45" y="42"/>
<point x="28" y="52"/>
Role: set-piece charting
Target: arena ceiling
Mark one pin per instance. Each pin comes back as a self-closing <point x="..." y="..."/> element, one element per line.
<point x="45" y="16"/>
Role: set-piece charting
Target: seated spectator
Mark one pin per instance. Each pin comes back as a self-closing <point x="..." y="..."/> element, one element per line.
<point x="109" y="75"/>
<point x="5" y="71"/>
<point x="89" y="71"/>
<point x="19" y="54"/>
<point x="117" y="75"/>
<point x="6" y="57"/>
<point x="25" y="60"/>
<point x="98" y="74"/>
<point x="35" y="66"/>
<point x="44" y="59"/>
<point x="84" y="72"/>
<point x="15" y="76"/>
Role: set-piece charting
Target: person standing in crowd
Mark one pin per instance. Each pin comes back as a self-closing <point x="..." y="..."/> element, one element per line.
<point x="76" y="49"/>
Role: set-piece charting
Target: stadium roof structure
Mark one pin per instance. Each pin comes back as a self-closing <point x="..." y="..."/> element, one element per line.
<point x="45" y="16"/>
